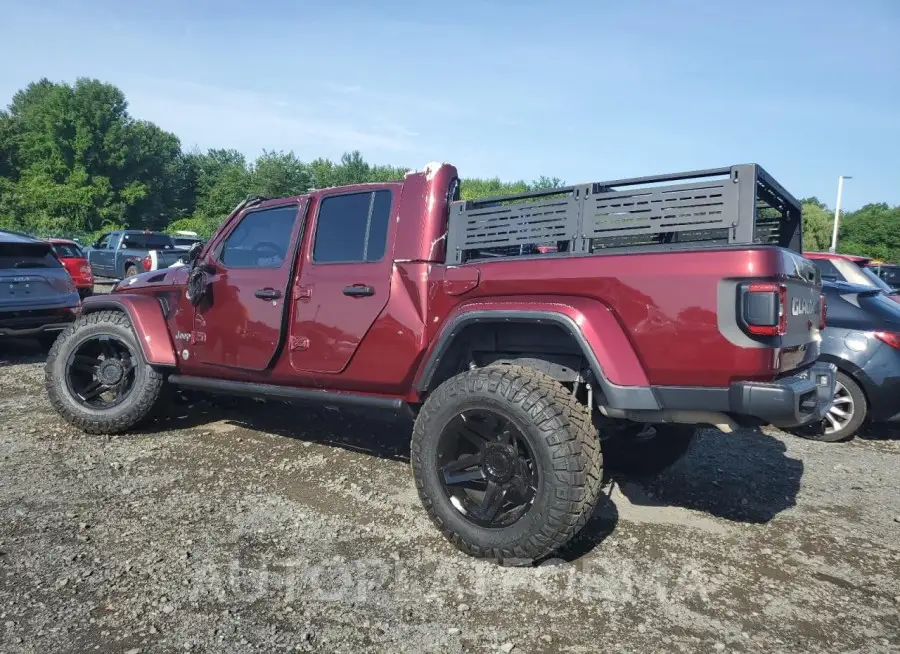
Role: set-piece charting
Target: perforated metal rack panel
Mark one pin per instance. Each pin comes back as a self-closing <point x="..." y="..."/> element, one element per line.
<point x="706" y="208"/>
<point x="519" y="223"/>
<point x="672" y="208"/>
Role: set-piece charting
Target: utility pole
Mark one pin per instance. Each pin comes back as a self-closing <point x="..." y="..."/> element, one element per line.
<point x="837" y="212"/>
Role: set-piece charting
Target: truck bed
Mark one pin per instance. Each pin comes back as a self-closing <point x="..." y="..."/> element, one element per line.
<point x="738" y="205"/>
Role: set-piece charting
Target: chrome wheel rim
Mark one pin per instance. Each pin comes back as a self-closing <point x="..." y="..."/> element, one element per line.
<point x="841" y="412"/>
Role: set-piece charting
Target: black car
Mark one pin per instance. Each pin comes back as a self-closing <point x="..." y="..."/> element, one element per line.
<point x="37" y="296"/>
<point x="889" y="272"/>
<point x="862" y="338"/>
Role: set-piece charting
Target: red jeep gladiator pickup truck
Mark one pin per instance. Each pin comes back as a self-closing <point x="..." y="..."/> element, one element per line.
<point x="530" y="335"/>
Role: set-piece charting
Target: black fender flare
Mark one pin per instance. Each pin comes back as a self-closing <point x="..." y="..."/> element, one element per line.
<point x="619" y="397"/>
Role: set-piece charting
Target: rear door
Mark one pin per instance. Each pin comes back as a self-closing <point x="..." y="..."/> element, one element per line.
<point x="239" y="324"/>
<point x="345" y="279"/>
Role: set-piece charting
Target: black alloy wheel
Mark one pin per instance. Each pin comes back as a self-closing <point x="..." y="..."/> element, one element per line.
<point x="100" y="372"/>
<point x="96" y="376"/>
<point x="486" y="468"/>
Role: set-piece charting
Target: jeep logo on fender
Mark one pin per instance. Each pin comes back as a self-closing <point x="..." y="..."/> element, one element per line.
<point x="801" y="307"/>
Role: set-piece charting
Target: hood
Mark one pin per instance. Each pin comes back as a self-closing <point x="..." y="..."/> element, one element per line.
<point x="154" y="278"/>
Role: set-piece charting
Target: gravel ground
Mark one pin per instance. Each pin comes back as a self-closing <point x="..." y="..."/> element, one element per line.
<point x="235" y="526"/>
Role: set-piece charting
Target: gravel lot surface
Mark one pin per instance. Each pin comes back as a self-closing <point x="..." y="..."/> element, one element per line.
<point x="236" y="526"/>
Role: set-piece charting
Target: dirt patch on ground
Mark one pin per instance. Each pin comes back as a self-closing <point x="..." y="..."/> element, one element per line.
<point x="236" y="526"/>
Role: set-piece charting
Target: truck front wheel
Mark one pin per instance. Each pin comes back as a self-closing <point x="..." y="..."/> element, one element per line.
<point x="96" y="377"/>
<point x="506" y="462"/>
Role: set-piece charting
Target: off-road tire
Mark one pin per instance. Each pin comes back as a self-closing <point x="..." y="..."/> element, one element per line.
<point x="135" y="408"/>
<point x="848" y="431"/>
<point x="651" y="457"/>
<point x="566" y="451"/>
<point x="130" y="270"/>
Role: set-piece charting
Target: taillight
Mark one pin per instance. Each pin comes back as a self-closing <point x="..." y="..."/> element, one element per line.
<point x="764" y="308"/>
<point x="891" y="338"/>
<point x="822" y="311"/>
<point x="147" y="263"/>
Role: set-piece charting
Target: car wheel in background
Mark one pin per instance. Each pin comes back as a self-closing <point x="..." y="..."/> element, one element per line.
<point x="846" y="415"/>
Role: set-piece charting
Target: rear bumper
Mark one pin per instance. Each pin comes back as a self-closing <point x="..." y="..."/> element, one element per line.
<point x="793" y="401"/>
<point x="34" y="323"/>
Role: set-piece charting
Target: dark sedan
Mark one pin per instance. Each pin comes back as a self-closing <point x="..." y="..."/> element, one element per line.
<point x="37" y="295"/>
<point x="862" y="338"/>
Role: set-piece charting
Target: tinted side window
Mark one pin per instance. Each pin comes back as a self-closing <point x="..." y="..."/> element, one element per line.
<point x="353" y="227"/>
<point x="261" y="239"/>
<point x="827" y="269"/>
<point x="148" y="241"/>
<point x="67" y="250"/>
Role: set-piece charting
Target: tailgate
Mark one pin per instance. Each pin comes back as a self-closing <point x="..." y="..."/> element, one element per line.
<point x="804" y="300"/>
<point x="166" y="258"/>
<point x="785" y="311"/>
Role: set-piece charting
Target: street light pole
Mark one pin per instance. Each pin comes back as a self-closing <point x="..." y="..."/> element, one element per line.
<point x="837" y="212"/>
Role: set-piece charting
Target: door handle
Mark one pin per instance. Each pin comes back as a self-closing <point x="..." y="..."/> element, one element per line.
<point x="267" y="294"/>
<point x="359" y="290"/>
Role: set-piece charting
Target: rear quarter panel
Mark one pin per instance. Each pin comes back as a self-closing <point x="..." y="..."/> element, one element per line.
<point x="667" y="304"/>
<point x="652" y="319"/>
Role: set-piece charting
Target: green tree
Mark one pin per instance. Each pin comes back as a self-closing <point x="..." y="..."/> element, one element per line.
<point x="817" y="225"/>
<point x="73" y="160"/>
<point x="277" y="174"/>
<point x="222" y="181"/>
<point x="872" y="231"/>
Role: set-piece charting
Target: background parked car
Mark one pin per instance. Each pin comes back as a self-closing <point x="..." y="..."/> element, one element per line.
<point x="889" y="272"/>
<point x="851" y="269"/>
<point x="184" y="240"/>
<point x="76" y="263"/>
<point x="862" y="338"/>
<point x="37" y="295"/>
<point x="126" y="253"/>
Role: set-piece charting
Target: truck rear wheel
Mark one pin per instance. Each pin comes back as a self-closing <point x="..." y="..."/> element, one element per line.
<point x="96" y="376"/>
<point x="130" y="270"/>
<point x="506" y="462"/>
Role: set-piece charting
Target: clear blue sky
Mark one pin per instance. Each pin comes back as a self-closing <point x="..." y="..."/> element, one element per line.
<point x="810" y="89"/>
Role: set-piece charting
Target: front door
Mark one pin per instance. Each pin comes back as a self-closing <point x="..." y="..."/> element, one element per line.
<point x="101" y="256"/>
<point x="345" y="279"/>
<point x="239" y="323"/>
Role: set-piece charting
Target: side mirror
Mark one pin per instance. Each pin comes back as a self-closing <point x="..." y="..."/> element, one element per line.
<point x="194" y="252"/>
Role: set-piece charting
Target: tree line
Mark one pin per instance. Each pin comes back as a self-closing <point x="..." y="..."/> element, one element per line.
<point x="74" y="161"/>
